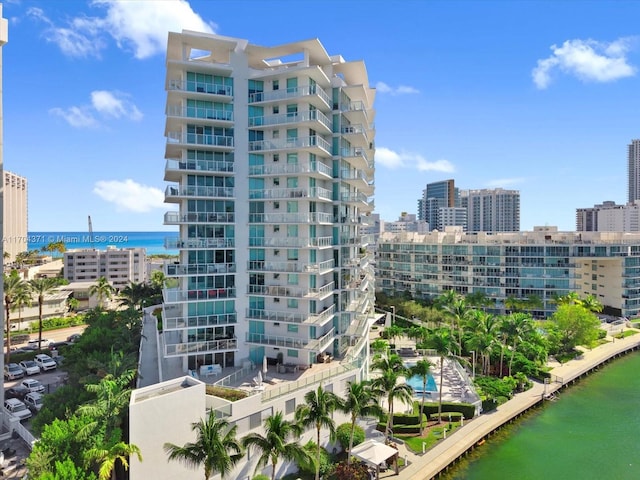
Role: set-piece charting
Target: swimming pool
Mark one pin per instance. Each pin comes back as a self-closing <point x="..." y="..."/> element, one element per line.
<point x="415" y="382"/>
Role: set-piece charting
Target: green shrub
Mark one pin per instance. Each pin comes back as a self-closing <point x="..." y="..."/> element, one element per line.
<point x="230" y="394"/>
<point x="326" y="465"/>
<point x="489" y="404"/>
<point x="468" y="410"/>
<point x="447" y="417"/>
<point x="261" y="476"/>
<point x="343" y="434"/>
<point x="407" y="419"/>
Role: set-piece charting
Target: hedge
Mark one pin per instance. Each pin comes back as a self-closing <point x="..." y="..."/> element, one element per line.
<point x="449" y="416"/>
<point x="468" y="410"/>
<point x="407" y="419"/>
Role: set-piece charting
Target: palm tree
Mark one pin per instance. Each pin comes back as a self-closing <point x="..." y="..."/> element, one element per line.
<point x="388" y="384"/>
<point x="393" y="362"/>
<point x="591" y="303"/>
<point x="521" y="326"/>
<point x="216" y="447"/>
<point x="107" y="457"/>
<point x="133" y="294"/>
<point x="360" y="401"/>
<point x="445" y="345"/>
<point x="21" y="299"/>
<point x="317" y="411"/>
<point x="422" y="369"/>
<point x="13" y="285"/>
<point x="41" y="287"/>
<point x="274" y="444"/>
<point x="101" y="289"/>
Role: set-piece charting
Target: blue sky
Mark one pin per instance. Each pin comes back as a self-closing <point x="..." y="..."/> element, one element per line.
<point x="536" y="96"/>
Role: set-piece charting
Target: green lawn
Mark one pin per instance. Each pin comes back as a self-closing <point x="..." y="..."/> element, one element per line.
<point x="433" y="435"/>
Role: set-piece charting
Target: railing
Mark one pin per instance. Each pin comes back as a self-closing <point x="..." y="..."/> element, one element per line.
<point x="288" y="317"/>
<point x="198" y="191"/>
<point x="200" y="113"/>
<point x="176" y="217"/>
<point x="235" y="377"/>
<point x="177" y="296"/>
<point x="293" y="117"/>
<point x="200" y="139"/>
<point x="317" y="217"/>
<point x="199" y="165"/>
<point x="282" y="193"/>
<point x="199" y="269"/>
<point x="321" y="343"/>
<point x="293" y="242"/>
<point x="276" y="340"/>
<point x="176" y="349"/>
<point x="293" y="267"/>
<point x="176" y="323"/>
<point x="201" y="87"/>
<point x="290" y="143"/>
<point x="176" y="243"/>
<point x="293" y="92"/>
<point x="287" y="168"/>
<point x="305" y="382"/>
<point x="353" y="197"/>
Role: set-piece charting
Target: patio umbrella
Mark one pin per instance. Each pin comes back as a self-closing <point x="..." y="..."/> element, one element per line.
<point x="264" y="364"/>
<point x="259" y="380"/>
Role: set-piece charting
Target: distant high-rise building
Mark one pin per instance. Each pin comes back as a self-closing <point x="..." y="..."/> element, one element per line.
<point x="634" y="171"/>
<point x="587" y="218"/>
<point x="14" y="209"/>
<point x="492" y="210"/>
<point x="437" y="195"/>
<point x="120" y="266"/>
<point x="609" y="217"/>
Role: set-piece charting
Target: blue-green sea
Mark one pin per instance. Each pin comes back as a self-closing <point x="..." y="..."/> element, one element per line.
<point x="591" y="432"/>
<point x="153" y="242"/>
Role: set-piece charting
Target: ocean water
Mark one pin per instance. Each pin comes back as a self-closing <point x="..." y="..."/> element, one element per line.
<point x="590" y="432"/>
<point x="153" y="242"/>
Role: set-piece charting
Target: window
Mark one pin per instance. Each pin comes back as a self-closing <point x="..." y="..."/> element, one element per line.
<point x="276" y="84"/>
<point x="292" y="353"/>
<point x="255" y="421"/>
<point x="292" y="328"/>
<point x="276" y="228"/>
<point x="276" y="110"/>
<point x="276" y="157"/>
<point x="275" y="134"/>
<point x="290" y="405"/>
<point x="276" y="181"/>
<point x="276" y="205"/>
<point x="292" y="279"/>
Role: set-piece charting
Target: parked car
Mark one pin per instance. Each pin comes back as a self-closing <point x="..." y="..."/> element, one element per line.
<point x="34" y="401"/>
<point x="45" y="362"/>
<point x="17" y="408"/>
<point x="56" y="346"/>
<point x="33" y="385"/>
<point x="12" y="371"/>
<point x="17" y="391"/>
<point x="29" y="367"/>
<point x="73" y="338"/>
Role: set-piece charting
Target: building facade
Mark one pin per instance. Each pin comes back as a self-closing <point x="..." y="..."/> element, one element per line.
<point x="120" y="266"/>
<point x="543" y="263"/>
<point x="270" y="157"/>
<point x="633" y="170"/>
<point x="491" y="210"/>
<point x="15" y="215"/>
<point x="435" y="196"/>
<point x="609" y="217"/>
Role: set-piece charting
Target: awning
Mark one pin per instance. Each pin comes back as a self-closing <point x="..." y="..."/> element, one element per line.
<point x="373" y="452"/>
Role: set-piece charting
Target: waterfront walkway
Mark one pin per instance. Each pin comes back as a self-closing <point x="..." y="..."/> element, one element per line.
<point x="438" y="459"/>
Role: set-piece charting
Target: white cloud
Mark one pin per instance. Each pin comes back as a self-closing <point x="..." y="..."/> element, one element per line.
<point x="76" y="116"/>
<point x="382" y="87"/>
<point x="106" y="104"/>
<point x="129" y="196"/>
<point x="139" y="26"/>
<point x="391" y="159"/>
<point x="588" y="60"/>
<point x="114" y="104"/>
<point x="504" y="182"/>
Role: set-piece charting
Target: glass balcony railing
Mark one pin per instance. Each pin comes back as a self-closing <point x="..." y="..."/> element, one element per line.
<point x="177" y="243"/>
<point x="200" y="139"/>
<point x="201" y="87"/>
<point x="294" y="117"/>
<point x="178" y="323"/>
<point x="173" y="270"/>
<point x="199" y="165"/>
<point x="206" y="346"/>
<point x="293" y="242"/>
<point x="198" y="191"/>
<point x="282" y="193"/>
<point x="317" y="217"/>
<point x="291" y="169"/>
<point x="289" y="267"/>
<point x="290" y="93"/>
<point x="289" y="317"/>
<point x="291" y="291"/>
<point x="179" y="296"/>
<point x="172" y="218"/>
<point x="200" y="113"/>
<point x="291" y="144"/>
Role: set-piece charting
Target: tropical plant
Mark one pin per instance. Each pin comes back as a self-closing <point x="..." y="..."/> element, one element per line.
<point x="422" y="369"/>
<point x="102" y="289"/>
<point x="41" y="287"/>
<point x="106" y="457"/>
<point x="13" y="287"/>
<point x="275" y="443"/>
<point x="216" y="447"/>
<point x="360" y="401"/>
<point x="388" y="384"/>
<point x="21" y="299"/>
<point x="392" y="362"/>
<point x="519" y="327"/>
<point x="445" y="345"/>
<point x="483" y="336"/>
<point x="317" y="411"/>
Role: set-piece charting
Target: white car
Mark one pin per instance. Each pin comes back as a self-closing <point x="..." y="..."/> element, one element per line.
<point x="45" y="362"/>
<point x="17" y="408"/>
<point x="33" y="344"/>
<point x="33" y="385"/>
<point x="29" y="367"/>
<point x="34" y="401"/>
<point x="12" y="371"/>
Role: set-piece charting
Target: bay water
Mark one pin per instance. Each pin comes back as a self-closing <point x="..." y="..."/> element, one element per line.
<point x="590" y="432"/>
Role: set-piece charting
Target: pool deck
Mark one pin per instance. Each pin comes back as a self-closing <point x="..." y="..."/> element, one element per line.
<point x="447" y="451"/>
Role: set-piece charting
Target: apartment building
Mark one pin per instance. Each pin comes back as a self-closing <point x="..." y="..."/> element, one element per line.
<point x="437" y="195"/>
<point x="269" y="156"/>
<point x="120" y="266"/>
<point x="491" y="210"/>
<point x="14" y="211"/>
<point x="542" y="263"/>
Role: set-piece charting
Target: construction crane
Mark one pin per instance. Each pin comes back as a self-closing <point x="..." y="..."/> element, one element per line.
<point x="90" y="233"/>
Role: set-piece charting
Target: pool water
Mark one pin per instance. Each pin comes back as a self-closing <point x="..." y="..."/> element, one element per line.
<point x="415" y="382"/>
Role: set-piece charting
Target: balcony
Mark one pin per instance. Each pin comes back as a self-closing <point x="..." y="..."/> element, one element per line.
<point x="198" y="243"/>
<point x="313" y="119"/>
<point x="287" y="193"/>
<point x="292" y="169"/>
<point x="358" y="135"/>
<point x="210" y="89"/>
<point x="291" y="291"/>
<point x="206" y="346"/>
<point x="180" y="323"/>
<point x="353" y="197"/>
<point x="199" y="139"/>
<point x="292" y="342"/>
<point x="357" y="157"/>
<point x="291" y="242"/>
<point x="290" y="317"/>
<point x="290" y="267"/>
<point x="322" y="343"/>
<point x="356" y="112"/>
<point x="357" y="179"/>
<point x="313" y="144"/>
<point x="180" y="296"/>
<point x="217" y="116"/>
<point x="174" y="193"/>
<point x="177" y="270"/>
<point x="317" y="217"/>
<point x="317" y="95"/>
<point x="174" y="168"/>
<point x="176" y="218"/>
